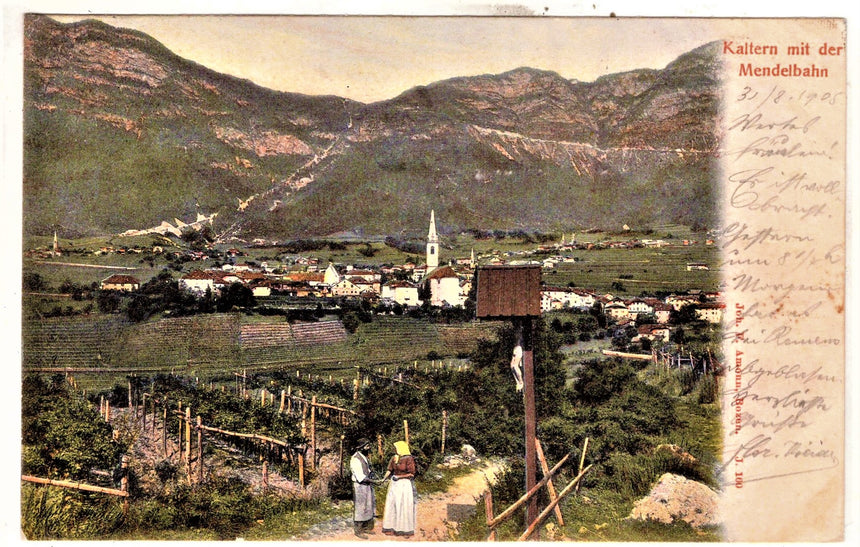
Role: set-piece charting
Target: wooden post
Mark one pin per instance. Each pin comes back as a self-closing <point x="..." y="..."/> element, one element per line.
<point x="406" y="431"/>
<point x="582" y="459"/>
<point x="124" y="482"/>
<point x="379" y="443"/>
<point x="262" y="397"/>
<point x="180" y="432"/>
<point x="549" y="485"/>
<point x="530" y="417"/>
<point x="488" y="505"/>
<point x="289" y="399"/>
<point x="265" y="476"/>
<point x="107" y="410"/>
<point x="444" y="429"/>
<point x="130" y="399"/>
<point x="199" y="449"/>
<point x="188" y="443"/>
<point x="164" y="431"/>
<point x="302" y="467"/>
<point x="313" y="432"/>
<point x="340" y="459"/>
<point x="144" y="412"/>
<point x="102" y="406"/>
<point x="283" y="400"/>
<point x="535" y="523"/>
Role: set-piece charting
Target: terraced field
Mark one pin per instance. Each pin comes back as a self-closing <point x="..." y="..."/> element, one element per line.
<point x="102" y="351"/>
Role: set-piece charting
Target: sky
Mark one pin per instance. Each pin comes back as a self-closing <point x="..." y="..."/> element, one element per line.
<point x="369" y="58"/>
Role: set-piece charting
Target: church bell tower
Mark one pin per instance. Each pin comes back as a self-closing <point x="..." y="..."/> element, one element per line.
<point x="432" y="244"/>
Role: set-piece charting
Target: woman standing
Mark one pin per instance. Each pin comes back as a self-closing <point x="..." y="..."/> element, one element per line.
<point x="400" y="506"/>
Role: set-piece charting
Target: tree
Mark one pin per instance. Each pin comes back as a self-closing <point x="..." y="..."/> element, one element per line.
<point x="687" y="314"/>
<point x="33" y="282"/>
<point x="236" y="295"/>
<point x="108" y="301"/>
<point x="139" y="308"/>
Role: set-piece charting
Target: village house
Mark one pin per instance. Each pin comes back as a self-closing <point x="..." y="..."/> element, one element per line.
<point x="345" y="287"/>
<point x="662" y="312"/>
<point x="679" y="301"/>
<point x="120" y="282"/>
<point x="444" y="287"/>
<point x="198" y="282"/>
<point x="331" y="276"/>
<point x="402" y="292"/>
<point x="616" y="310"/>
<point x="653" y="333"/>
<point x="712" y="312"/>
<point x="261" y="288"/>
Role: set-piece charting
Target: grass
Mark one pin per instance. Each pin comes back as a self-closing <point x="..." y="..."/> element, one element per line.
<point x="639" y="270"/>
<point x="291" y="524"/>
<point x="600" y="516"/>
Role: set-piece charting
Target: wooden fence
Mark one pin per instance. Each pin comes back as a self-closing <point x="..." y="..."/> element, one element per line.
<point x="555" y="498"/>
<point x="122" y="492"/>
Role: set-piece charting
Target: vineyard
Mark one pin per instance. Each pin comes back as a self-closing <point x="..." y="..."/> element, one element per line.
<point x="100" y="351"/>
<point x="260" y="451"/>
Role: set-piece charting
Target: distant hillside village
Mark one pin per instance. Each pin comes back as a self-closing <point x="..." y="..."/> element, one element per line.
<point x="438" y="284"/>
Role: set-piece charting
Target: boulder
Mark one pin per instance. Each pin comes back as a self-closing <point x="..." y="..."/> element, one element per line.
<point x="468" y="452"/>
<point x="676" y="498"/>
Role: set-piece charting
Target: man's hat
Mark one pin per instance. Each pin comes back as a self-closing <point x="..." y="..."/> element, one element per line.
<point x="362" y="443"/>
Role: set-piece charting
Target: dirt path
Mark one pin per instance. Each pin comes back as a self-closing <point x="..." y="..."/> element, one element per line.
<point x="438" y="513"/>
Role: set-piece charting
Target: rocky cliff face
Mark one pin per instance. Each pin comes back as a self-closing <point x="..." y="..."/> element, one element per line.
<point x="120" y="132"/>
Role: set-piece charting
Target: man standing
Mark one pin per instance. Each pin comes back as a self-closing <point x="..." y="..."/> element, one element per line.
<point x="364" y="497"/>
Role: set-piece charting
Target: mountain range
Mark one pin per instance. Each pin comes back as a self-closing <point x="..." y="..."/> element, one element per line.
<point x="120" y="133"/>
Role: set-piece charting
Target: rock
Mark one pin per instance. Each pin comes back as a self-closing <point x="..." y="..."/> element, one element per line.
<point x="676" y="498"/>
<point x="468" y="452"/>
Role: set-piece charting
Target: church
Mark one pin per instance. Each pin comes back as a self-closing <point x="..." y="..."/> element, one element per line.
<point x="447" y="286"/>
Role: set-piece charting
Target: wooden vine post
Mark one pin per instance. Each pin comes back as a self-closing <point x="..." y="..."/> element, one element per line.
<point x="124" y="483"/>
<point x="514" y="293"/>
<point x="313" y="432"/>
<point x="444" y="429"/>
<point x="179" y="433"/>
<point x="199" y="449"/>
<point x="302" y="458"/>
<point x="406" y="431"/>
<point x="164" y="430"/>
<point x="188" y="443"/>
<point x="340" y="452"/>
<point x="130" y="395"/>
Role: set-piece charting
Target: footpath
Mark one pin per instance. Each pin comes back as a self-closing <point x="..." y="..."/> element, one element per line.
<point x="438" y="515"/>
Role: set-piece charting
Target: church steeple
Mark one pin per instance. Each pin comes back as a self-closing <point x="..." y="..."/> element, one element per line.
<point x="432" y="244"/>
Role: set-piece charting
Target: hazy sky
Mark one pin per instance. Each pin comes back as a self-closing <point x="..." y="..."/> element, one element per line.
<point x="374" y="58"/>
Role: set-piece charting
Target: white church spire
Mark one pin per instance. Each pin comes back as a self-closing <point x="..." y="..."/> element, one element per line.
<point x="432" y="244"/>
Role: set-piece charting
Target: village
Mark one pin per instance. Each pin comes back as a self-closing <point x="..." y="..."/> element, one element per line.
<point x="302" y="280"/>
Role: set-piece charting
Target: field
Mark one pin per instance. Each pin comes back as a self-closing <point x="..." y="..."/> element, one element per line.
<point x="639" y="270"/>
<point x="211" y="347"/>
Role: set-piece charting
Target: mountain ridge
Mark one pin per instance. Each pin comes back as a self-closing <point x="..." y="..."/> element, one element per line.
<point x="111" y="114"/>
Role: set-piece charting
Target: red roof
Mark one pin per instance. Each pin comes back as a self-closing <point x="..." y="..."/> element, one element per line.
<point x="444" y="271"/>
<point x="120" y="279"/>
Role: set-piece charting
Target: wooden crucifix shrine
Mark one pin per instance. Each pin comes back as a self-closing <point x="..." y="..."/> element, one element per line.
<point x="513" y="292"/>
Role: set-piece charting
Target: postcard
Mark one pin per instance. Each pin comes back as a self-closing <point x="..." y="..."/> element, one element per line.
<point x="488" y="276"/>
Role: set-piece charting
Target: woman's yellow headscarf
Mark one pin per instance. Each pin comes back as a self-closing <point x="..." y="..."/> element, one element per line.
<point x="401" y="449"/>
